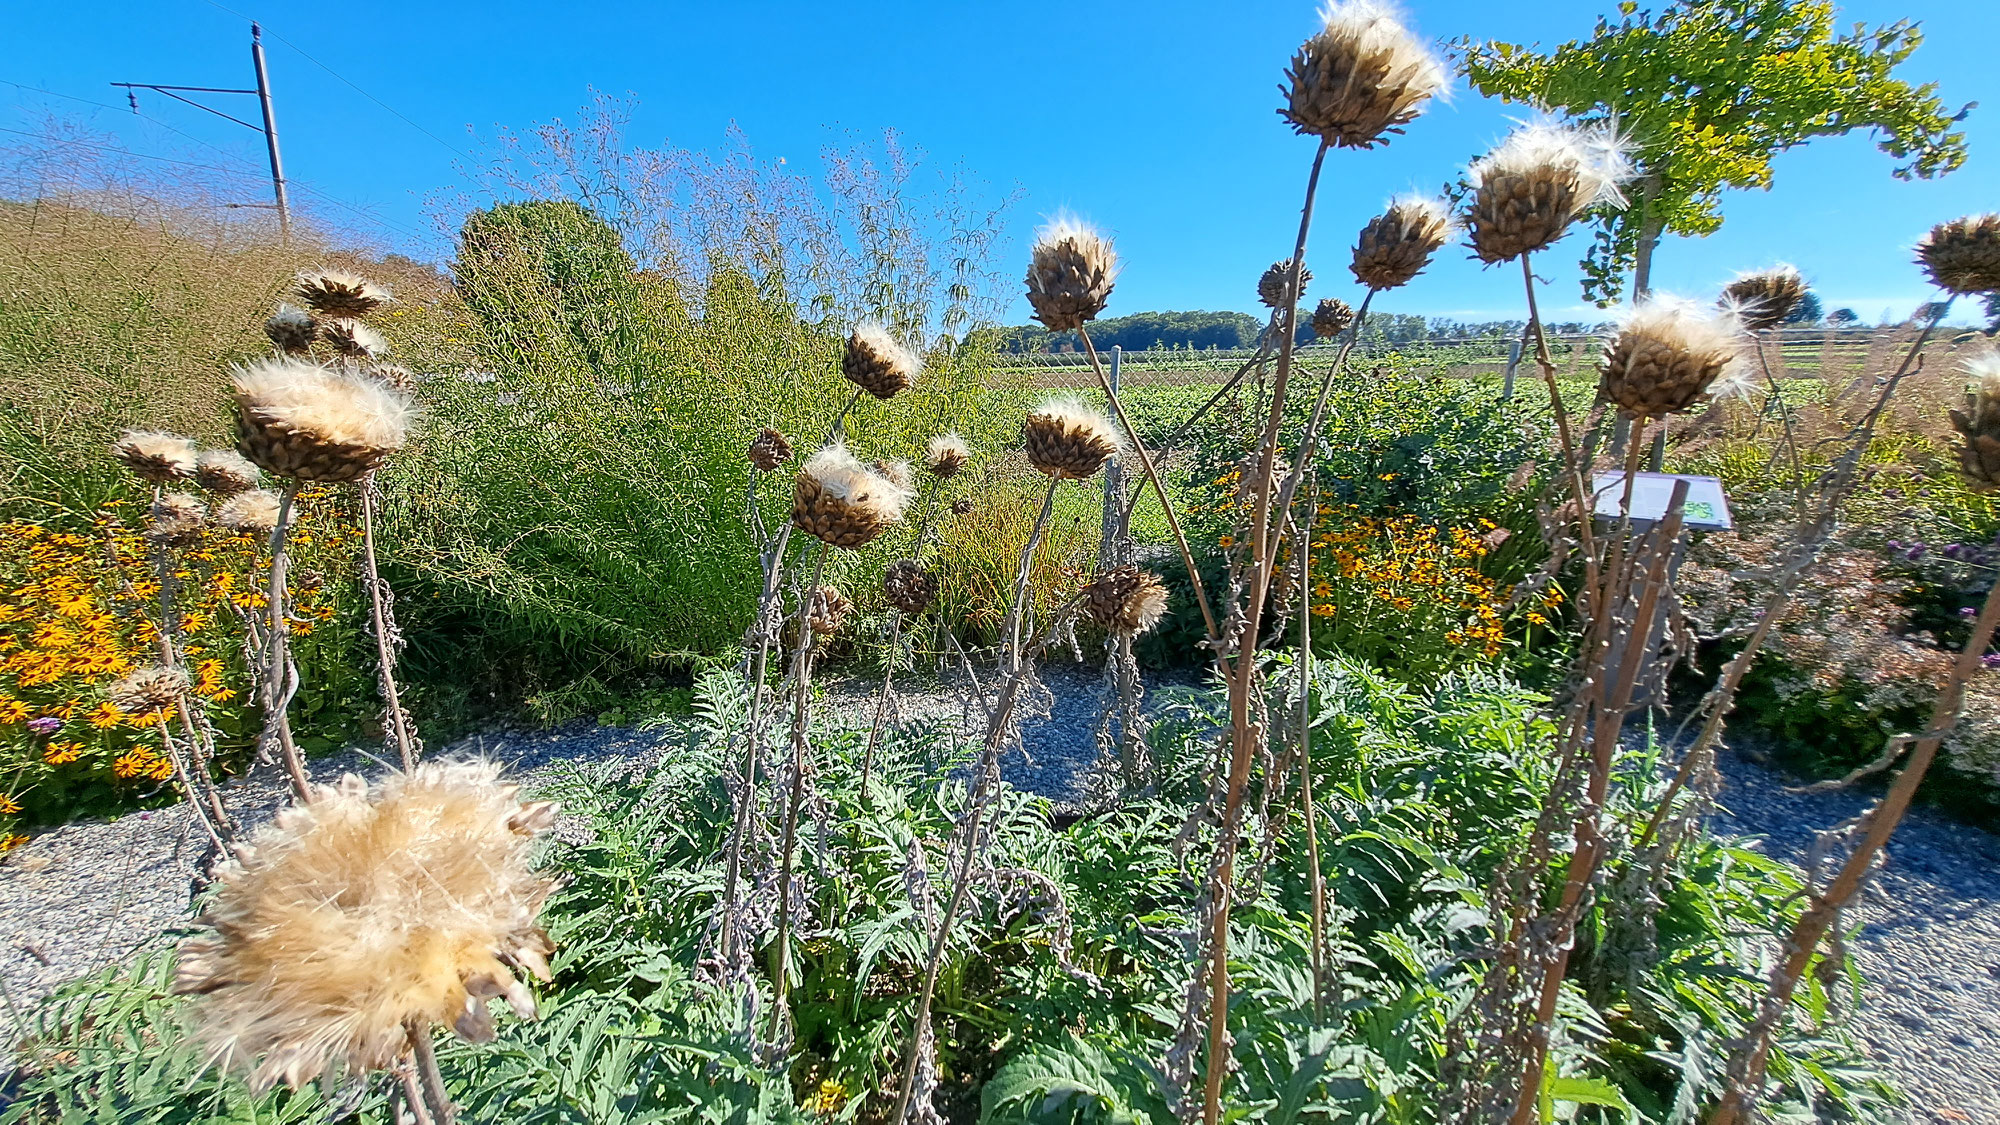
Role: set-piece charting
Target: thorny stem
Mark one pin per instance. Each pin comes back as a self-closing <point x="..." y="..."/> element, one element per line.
<point x="1244" y="735"/>
<point x="1746" y="1069"/>
<point x="385" y="631"/>
<point x="430" y="1080"/>
<point x="277" y="685"/>
<point x="413" y="1095"/>
<point x="801" y="698"/>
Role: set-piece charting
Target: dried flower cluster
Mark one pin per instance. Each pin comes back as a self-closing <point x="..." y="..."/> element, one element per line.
<point x="1069" y="440"/>
<point x="1125" y="600"/>
<point x="1274" y="288"/>
<point x="877" y="362"/>
<point x="769" y="449"/>
<point x="1070" y="274"/>
<point x="1363" y="77"/>
<point x="1331" y="318"/>
<point x="1963" y="255"/>
<point x="1396" y="245"/>
<point x="176" y="519"/>
<point x="156" y="457"/>
<point x="1979" y="425"/>
<point x="909" y="587"/>
<point x="1667" y="356"/>
<point x="827" y="611"/>
<point x="1763" y="299"/>
<point x="300" y="420"/>
<point x="842" y="503"/>
<point x="1527" y="191"/>
<point x="946" y="455"/>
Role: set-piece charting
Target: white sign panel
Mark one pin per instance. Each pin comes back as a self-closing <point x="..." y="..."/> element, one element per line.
<point x="1704" y="510"/>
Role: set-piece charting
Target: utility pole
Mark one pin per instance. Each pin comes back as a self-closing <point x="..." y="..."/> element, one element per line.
<point x="270" y="127"/>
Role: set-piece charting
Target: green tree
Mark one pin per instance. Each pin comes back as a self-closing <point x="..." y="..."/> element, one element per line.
<point x="1710" y="91"/>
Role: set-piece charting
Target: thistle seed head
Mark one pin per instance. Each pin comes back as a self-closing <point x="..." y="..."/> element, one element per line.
<point x="292" y="329"/>
<point x="1276" y="285"/>
<point x="1527" y="191"/>
<point x="1071" y="271"/>
<point x="1331" y="318"/>
<point x="946" y="455"/>
<point x="1396" y="245"/>
<point x="225" y="472"/>
<point x="1963" y="255"/>
<point x="1979" y="424"/>
<point x="353" y="339"/>
<point x="154" y="456"/>
<point x="840" y="502"/>
<point x="301" y="420"/>
<point x="828" y="610"/>
<point x="769" y="449"/>
<point x="1068" y="440"/>
<point x="1363" y="77"/>
<point x="411" y="900"/>
<point x="333" y="293"/>
<point x="897" y="473"/>
<point x="909" y="587"/>
<point x="396" y="377"/>
<point x="1765" y="298"/>
<point x="249" y="513"/>
<point x="1669" y="355"/>
<point x="176" y="519"/>
<point x="152" y="688"/>
<point x="1125" y="600"/>
<point x="877" y="363"/>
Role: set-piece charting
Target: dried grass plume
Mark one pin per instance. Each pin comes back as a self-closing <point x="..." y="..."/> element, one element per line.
<point x="297" y="419"/>
<point x="1363" y="77"/>
<point x="412" y="900"/>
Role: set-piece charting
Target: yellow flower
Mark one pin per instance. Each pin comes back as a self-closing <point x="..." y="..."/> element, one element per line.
<point x="9" y="843"/>
<point x="106" y="715"/>
<point x="8" y="805"/>
<point x="1537" y="619"/>
<point x="13" y="711"/>
<point x="62" y="753"/>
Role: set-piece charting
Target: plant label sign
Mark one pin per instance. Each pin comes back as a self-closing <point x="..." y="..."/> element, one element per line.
<point x="1704" y="510"/>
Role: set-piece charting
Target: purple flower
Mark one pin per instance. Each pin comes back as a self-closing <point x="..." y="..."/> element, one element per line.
<point x="1952" y="551"/>
<point x="1895" y="544"/>
<point x="47" y="724"/>
<point x="1991" y="660"/>
<point x="1968" y="612"/>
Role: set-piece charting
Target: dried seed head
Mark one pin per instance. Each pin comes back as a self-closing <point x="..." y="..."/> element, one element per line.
<point x="297" y="419"/>
<point x="414" y="900"/>
<point x="840" y="502"/>
<point x="250" y="513"/>
<point x="1331" y="318"/>
<point x="155" y="457"/>
<point x="1071" y="271"/>
<point x="897" y="473"/>
<point x="1361" y="78"/>
<point x="1527" y="191"/>
<point x="1765" y="298"/>
<point x="1069" y="440"/>
<point x="1125" y="600"/>
<point x="1963" y="255"/>
<point x="1276" y="285"/>
<point x="1979" y="424"/>
<point x="963" y="506"/>
<point x="353" y="339"/>
<point x="1396" y="245"/>
<point x="225" y="472"/>
<point x="877" y="363"/>
<point x="1668" y="355"/>
<point x="394" y="376"/>
<point x="292" y="329"/>
<point x="176" y="519"/>
<point x="769" y="449"/>
<point x="149" y="689"/>
<point x="333" y="293"/>
<point x="946" y="455"/>
<point x="908" y="586"/>
<point x="828" y="609"/>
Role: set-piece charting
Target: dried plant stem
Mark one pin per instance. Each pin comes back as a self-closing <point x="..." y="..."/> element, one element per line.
<point x="882" y="700"/>
<point x="1746" y="1068"/>
<point x="413" y="1096"/>
<point x="280" y="677"/>
<point x="802" y="662"/>
<point x="196" y="780"/>
<point x="1245" y="735"/>
<point x="1265" y="344"/>
<point x="180" y="764"/>
<point x="430" y="1081"/>
<point x="1159" y="487"/>
<point x="999" y="722"/>
<point x="1304" y="670"/>
<point x="385" y="632"/>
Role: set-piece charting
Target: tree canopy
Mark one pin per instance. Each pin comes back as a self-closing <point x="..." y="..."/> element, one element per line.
<point x="1709" y="91"/>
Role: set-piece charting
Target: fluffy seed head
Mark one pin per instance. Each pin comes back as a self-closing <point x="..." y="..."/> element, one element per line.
<point x="1276" y="285"/>
<point x="897" y="473"/>
<point x="1668" y="355"/>
<point x="828" y="610"/>
<point x="292" y="329"/>
<point x="250" y="513"/>
<point x="840" y="502"/>
<point x="769" y="449"/>
<point x="1979" y="424"/>
<point x="1071" y="271"/>
<point x="334" y="293"/>
<point x="1963" y="255"/>
<point x="908" y="586"/>
<point x="1125" y="600"/>
<point x="176" y="519"/>
<point x="1331" y="318"/>
<point x="1765" y="298"/>
<point x="1363" y="77"/>
<point x="297" y="419"/>
<point x="353" y="339"/>
<point x="877" y="363"/>
<point x="412" y="900"/>
<point x="1527" y="191"/>
<point x="1396" y="245"/>
<point x="152" y="688"/>
<point x="154" y="456"/>
<point x="1068" y="440"/>
<point x="225" y="472"/>
<point x="946" y="455"/>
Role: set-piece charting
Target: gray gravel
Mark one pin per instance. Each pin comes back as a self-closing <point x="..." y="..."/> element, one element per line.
<point x="91" y="893"/>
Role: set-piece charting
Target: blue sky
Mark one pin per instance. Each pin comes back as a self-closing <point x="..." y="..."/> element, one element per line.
<point x="1156" y="121"/>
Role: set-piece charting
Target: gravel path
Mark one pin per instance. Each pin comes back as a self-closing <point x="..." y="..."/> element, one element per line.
<point x="89" y="894"/>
